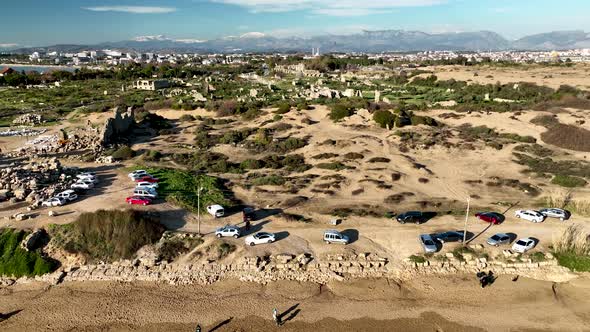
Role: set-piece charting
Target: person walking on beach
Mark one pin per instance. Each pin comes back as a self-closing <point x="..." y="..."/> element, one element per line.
<point x="198" y="328"/>
<point x="275" y="316"/>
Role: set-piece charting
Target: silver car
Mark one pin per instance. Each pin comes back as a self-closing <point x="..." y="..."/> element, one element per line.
<point x="227" y="231"/>
<point x="333" y="236"/>
<point x="561" y="214"/>
<point x="499" y="239"/>
<point x="428" y="243"/>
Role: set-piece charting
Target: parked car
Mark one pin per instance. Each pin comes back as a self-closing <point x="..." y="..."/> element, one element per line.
<point x="498" y="239"/>
<point x="84" y="176"/>
<point x="451" y="236"/>
<point x="334" y="236"/>
<point x="491" y="217"/>
<point x="82" y="184"/>
<point x="216" y="210"/>
<point x="260" y="238"/>
<point x="146" y="178"/>
<point x="145" y="192"/>
<point x="428" y="243"/>
<point x="523" y="245"/>
<point x="561" y="214"/>
<point x="530" y="215"/>
<point x="68" y="195"/>
<point x="54" y="201"/>
<point x="138" y="200"/>
<point x="137" y="173"/>
<point x="147" y="184"/>
<point x="227" y="231"/>
<point x="416" y="217"/>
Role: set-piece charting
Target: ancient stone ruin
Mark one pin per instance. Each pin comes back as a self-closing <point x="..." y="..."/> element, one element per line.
<point x="116" y="126"/>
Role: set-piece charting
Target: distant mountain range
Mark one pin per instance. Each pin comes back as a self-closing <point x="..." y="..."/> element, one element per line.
<point x="366" y="41"/>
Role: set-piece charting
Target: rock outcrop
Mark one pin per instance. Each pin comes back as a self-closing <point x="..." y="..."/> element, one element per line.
<point x="116" y="126"/>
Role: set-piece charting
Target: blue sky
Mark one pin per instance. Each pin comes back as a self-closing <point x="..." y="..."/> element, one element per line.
<point x="46" y="22"/>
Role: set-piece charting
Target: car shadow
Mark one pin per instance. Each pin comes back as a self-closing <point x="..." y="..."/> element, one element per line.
<point x="281" y="235"/>
<point x="512" y="237"/>
<point x="352" y="234"/>
<point x="427" y="216"/>
<point x="253" y="228"/>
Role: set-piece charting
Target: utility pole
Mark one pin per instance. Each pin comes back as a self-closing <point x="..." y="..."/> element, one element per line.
<point x="466" y="217"/>
<point x="199" y="209"/>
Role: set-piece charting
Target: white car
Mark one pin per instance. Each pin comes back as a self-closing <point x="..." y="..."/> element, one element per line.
<point x="147" y="184"/>
<point x="68" y="195"/>
<point x="530" y="215"/>
<point x="145" y="192"/>
<point x="227" y="231"/>
<point x="138" y="173"/>
<point x="88" y="177"/>
<point x="82" y="184"/>
<point x="216" y="210"/>
<point x="260" y="238"/>
<point x="54" y="201"/>
<point x="523" y="245"/>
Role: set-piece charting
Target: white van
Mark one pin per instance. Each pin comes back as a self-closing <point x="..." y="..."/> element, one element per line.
<point x="145" y="192"/>
<point x="216" y="210"/>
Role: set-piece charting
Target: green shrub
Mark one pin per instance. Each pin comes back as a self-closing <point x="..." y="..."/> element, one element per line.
<point x="17" y="262"/>
<point x="251" y="164"/>
<point x="152" y="155"/>
<point x="187" y="118"/>
<point x="568" y="181"/>
<point x="277" y="117"/>
<point x="417" y="259"/>
<point x="335" y="166"/>
<point x="123" y="153"/>
<point x="224" y="249"/>
<point x="108" y="235"/>
<point x="283" y="108"/>
<point x="385" y="119"/>
<point x="340" y="111"/>
<point x="270" y="180"/>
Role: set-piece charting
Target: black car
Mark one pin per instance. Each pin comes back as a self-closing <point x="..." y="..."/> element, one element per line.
<point x="451" y="236"/>
<point x="416" y="217"/>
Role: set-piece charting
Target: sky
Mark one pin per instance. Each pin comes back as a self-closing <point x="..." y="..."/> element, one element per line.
<point x="49" y="22"/>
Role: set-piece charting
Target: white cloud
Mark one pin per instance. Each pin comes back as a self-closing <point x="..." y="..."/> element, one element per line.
<point x="8" y="45"/>
<point x="133" y="9"/>
<point x="164" y="38"/>
<point x="330" y="7"/>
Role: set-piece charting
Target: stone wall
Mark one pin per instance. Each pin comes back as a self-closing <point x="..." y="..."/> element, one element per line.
<point x="303" y="268"/>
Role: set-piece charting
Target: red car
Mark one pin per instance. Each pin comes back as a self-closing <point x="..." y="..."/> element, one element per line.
<point x="136" y="200"/>
<point x="147" y="178"/>
<point x="491" y="217"/>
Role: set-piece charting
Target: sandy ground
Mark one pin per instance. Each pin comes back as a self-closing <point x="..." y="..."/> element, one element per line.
<point x="454" y="303"/>
<point x="553" y="77"/>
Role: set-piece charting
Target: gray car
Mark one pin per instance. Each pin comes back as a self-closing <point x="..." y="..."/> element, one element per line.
<point x="428" y="243"/>
<point x="499" y="239"/>
<point x="560" y="214"/>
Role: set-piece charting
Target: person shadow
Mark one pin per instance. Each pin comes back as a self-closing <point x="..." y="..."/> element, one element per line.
<point x="289" y="314"/>
<point x="221" y="324"/>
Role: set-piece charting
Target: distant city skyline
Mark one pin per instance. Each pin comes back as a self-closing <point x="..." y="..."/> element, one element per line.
<point x="42" y="23"/>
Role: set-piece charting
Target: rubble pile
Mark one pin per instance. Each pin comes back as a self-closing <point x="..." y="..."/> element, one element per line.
<point x="28" y="119"/>
<point x="22" y="132"/>
<point x="33" y="181"/>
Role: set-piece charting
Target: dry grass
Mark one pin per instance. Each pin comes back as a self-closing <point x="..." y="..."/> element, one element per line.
<point x="573" y="239"/>
<point x="565" y="201"/>
<point x="567" y="137"/>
